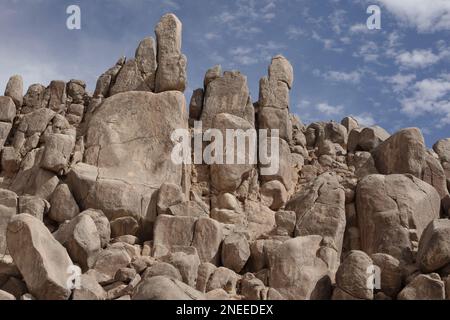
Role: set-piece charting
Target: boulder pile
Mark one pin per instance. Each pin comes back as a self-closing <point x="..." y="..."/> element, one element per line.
<point x="93" y="207"/>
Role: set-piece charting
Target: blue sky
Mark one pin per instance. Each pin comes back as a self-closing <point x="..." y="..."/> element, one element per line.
<point x="395" y="77"/>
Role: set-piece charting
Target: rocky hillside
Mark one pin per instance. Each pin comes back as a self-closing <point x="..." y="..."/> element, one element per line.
<point x="88" y="180"/>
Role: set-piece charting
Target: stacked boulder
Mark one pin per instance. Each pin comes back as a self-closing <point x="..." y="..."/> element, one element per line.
<point x="158" y="66"/>
<point x="273" y="114"/>
<point x="93" y="206"/>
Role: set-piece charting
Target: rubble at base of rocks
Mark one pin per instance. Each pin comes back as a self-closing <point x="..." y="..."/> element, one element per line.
<point x="88" y="181"/>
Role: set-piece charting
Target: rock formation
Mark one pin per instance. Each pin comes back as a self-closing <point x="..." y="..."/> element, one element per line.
<point x="89" y="183"/>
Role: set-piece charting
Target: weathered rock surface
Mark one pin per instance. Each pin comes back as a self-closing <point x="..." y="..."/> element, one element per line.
<point x="391" y="273"/>
<point x="89" y="289"/>
<point x="63" y="206"/>
<point x="370" y="138"/>
<point x="442" y="148"/>
<point x="162" y="269"/>
<point x="171" y="73"/>
<point x="43" y="262"/>
<point x="8" y="209"/>
<point x="168" y="195"/>
<point x="33" y="206"/>
<point x="187" y="264"/>
<point x="350" y="123"/>
<point x="434" y="246"/>
<point x="284" y="174"/>
<point x="274" y="98"/>
<point x="137" y="161"/>
<point x="235" y="252"/>
<point x="173" y="231"/>
<point x="281" y="70"/>
<point x="424" y="287"/>
<point x="7" y="109"/>
<point x="81" y="239"/>
<point x="14" y="90"/>
<point x="405" y="152"/>
<point x="102" y="224"/>
<point x="320" y="210"/>
<point x="208" y="236"/>
<point x="297" y="272"/>
<point x="227" y="94"/>
<point x="274" y="195"/>
<point x="162" y="288"/>
<point x="138" y="74"/>
<point x="393" y="211"/>
<point x="124" y="226"/>
<point x="228" y="177"/>
<point x="110" y="260"/>
<point x="352" y="276"/>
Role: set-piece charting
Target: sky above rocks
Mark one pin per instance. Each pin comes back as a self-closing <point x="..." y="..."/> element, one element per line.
<point x="395" y="77"/>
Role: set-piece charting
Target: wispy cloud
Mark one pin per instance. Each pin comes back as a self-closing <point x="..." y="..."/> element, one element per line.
<point x="417" y="59"/>
<point x="424" y="15"/>
<point x="216" y="57"/>
<point x="172" y="4"/>
<point x="359" y="28"/>
<point x="295" y="32"/>
<point x="243" y="56"/>
<point x="261" y="52"/>
<point x="242" y="18"/>
<point x="329" y="109"/>
<point x="400" y="81"/>
<point x="428" y="96"/>
<point x="337" y="20"/>
<point x="340" y="76"/>
<point x="328" y="43"/>
<point x="369" y="52"/>
<point x="211" y="36"/>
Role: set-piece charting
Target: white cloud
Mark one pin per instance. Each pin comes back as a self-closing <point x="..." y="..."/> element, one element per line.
<point x="237" y="51"/>
<point x="269" y="16"/>
<point x="346" y="40"/>
<point x="337" y="20"/>
<point x="216" y="57"/>
<point x="294" y="32"/>
<point x="428" y="96"/>
<point x="245" y="60"/>
<point x="359" y="28"/>
<point x="269" y="6"/>
<point x="392" y="43"/>
<point x="417" y="59"/>
<point x="444" y="49"/>
<point x="401" y="81"/>
<point x="211" y="36"/>
<point x="242" y="17"/>
<point x="261" y="52"/>
<point x="225" y="17"/>
<point x="328" y="44"/>
<point x="433" y="89"/>
<point x="424" y="15"/>
<point x="340" y="76"/>
<point x="243" y="56"/>
<point x="368" y="51"/>
<point x="171" y="4"/>
<point x="329" y="110"/>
